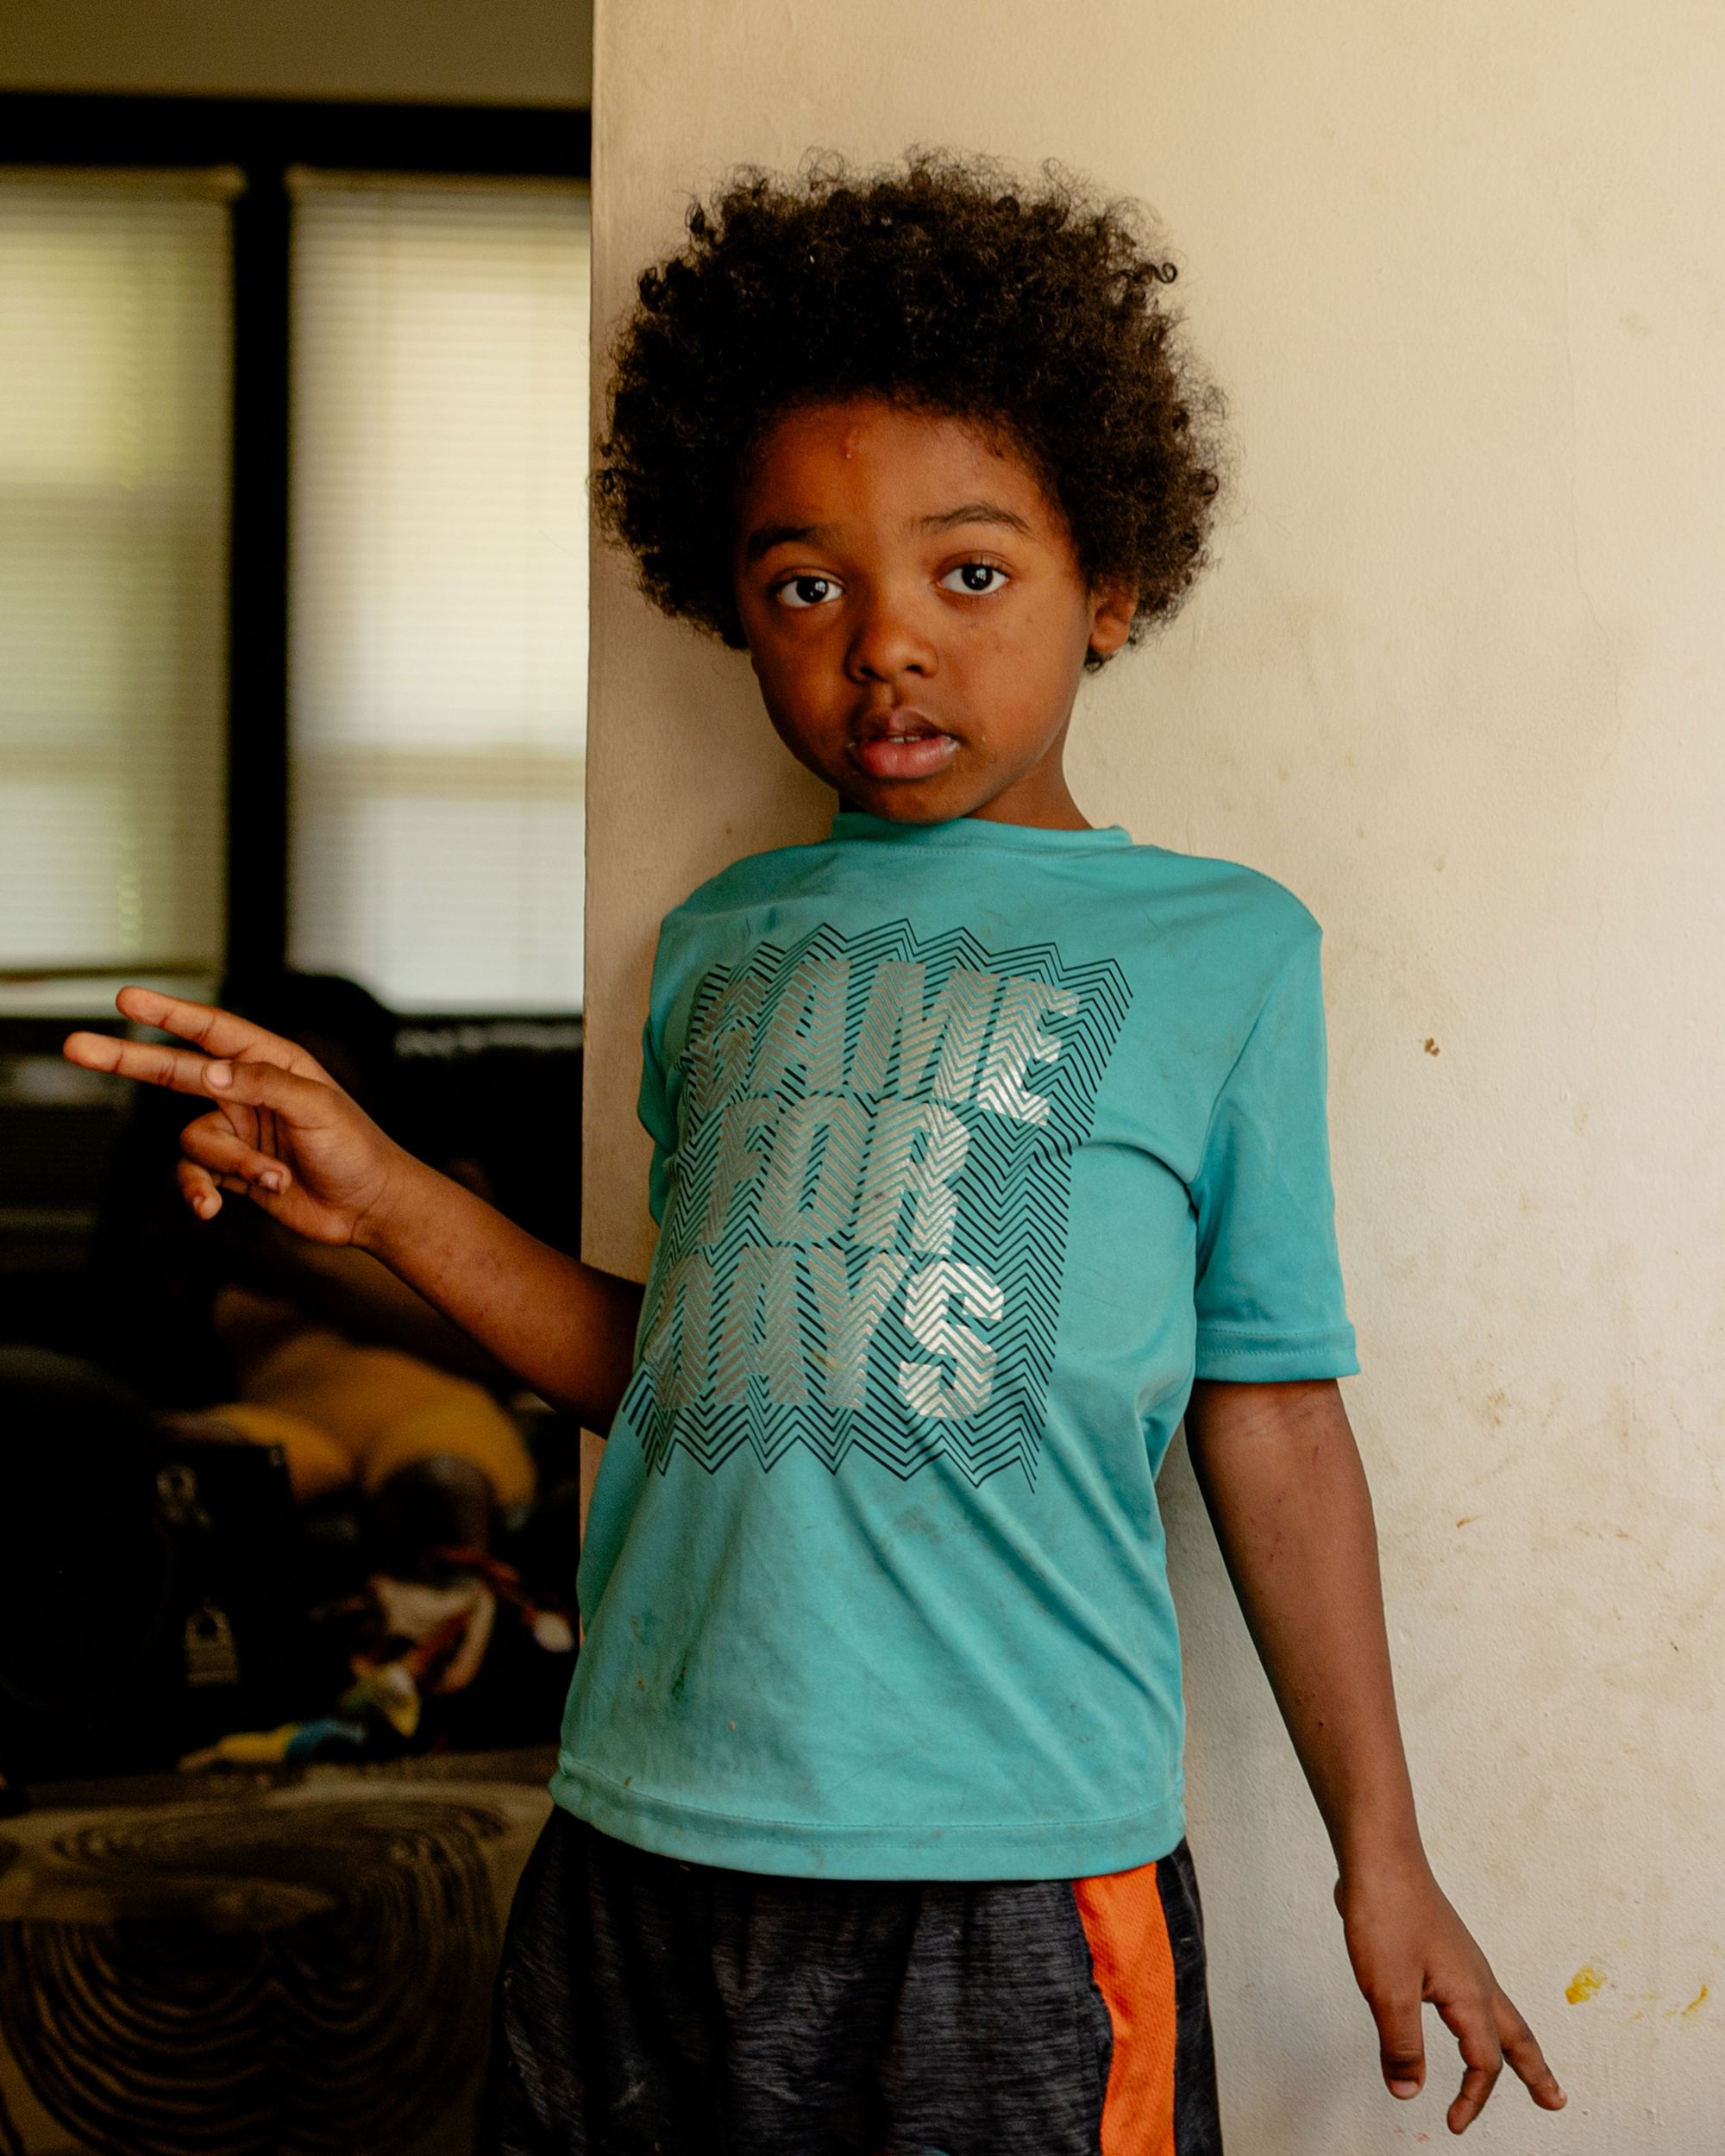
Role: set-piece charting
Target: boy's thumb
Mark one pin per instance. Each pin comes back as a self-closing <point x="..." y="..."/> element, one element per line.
<point x="263" y="1086"/>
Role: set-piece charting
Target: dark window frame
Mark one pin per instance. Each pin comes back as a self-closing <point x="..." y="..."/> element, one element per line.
<point x="264" y="138"/>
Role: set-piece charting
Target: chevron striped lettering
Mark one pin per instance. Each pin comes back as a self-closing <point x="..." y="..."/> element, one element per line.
<point x="848" y="1316"/>
<point x="867" y="1228"/>
<point x="918" y="1155"/>
<point x="928" y="1314"/>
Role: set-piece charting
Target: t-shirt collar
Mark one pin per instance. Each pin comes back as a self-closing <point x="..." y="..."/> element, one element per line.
<point x="974" y="831"/>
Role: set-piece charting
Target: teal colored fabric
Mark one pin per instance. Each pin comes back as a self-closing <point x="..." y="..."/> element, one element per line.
<point x="973" y="1143"/>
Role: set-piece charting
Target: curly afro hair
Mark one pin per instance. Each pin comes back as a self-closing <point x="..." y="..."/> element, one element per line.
<point x="942" y="285"/>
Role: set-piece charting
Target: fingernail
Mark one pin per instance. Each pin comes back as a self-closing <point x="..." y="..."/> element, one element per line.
<point x="1404" y="2088"/>
<point x="273" y="1182"/>
<point x="221" y="1075"/>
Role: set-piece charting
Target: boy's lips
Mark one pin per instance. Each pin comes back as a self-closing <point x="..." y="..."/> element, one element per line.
<point x="899" y="745"/>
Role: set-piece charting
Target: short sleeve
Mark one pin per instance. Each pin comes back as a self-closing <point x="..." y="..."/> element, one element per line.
<point x="1268" y="1289"/>
<point x="653" y="1107"/>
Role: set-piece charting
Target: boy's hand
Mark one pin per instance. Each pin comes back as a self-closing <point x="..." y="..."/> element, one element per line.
<point x="1408" y="1945"/>
<point x="284" y="1134"/>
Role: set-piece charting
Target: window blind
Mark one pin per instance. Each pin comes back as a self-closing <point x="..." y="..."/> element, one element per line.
<point x="437" y="595"/>
<point x="114" y="366"/>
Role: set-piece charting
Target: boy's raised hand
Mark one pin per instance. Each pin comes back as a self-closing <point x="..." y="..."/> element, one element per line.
<point x="283" y="1133"/>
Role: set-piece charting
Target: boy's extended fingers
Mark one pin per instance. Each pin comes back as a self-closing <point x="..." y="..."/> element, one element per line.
<point x="218" y="1032"/>
<point x="1401" y="2043"/>
<point x="1522" y="2049"/>
<point x="259" y="1085"/>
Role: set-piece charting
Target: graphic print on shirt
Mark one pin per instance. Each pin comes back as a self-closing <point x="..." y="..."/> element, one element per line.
<point x="866" y="1228"/>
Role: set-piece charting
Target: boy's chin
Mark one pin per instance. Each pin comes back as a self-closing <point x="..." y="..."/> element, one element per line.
<point x="904" y="800"/>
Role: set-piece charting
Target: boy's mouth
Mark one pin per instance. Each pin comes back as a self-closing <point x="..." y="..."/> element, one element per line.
<point x="899" y="745"/>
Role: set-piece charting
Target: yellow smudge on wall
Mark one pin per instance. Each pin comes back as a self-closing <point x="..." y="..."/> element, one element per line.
<point x="1584" y="1984"/>
<point x="1695" y="2003"/>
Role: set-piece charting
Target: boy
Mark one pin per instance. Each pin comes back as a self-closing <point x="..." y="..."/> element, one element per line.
<point x="987" y="1144"/>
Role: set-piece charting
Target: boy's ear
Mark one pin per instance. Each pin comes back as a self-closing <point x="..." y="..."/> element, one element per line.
<point x="1112" y="609"/>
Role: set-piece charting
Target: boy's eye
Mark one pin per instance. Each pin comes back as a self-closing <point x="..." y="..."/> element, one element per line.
<point x="976" y="577"/>
<point x="804" y="592"/>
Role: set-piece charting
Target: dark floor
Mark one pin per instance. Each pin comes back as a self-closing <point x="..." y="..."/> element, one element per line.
<point x="250" y="1964"/>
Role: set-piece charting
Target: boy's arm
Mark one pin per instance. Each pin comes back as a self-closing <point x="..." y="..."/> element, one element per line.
<point x="1282" y="1477"/>
<point x="565" y="1327"/>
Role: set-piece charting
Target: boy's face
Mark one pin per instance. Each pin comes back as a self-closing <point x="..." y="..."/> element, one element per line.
<point x="916" y="615"/>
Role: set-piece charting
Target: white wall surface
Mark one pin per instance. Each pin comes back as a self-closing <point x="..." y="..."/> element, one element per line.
<point x="1456" y="679"/>
<point x="454" y="51"/>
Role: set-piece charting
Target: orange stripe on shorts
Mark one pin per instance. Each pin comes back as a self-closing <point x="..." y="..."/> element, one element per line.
<point x="1134" y="1960"/>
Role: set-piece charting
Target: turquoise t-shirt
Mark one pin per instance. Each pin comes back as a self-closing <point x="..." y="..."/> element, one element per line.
<point x="974" y="1143"/>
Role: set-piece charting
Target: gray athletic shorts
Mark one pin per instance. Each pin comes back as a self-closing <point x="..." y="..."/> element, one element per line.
<point x="646" y="2007"/>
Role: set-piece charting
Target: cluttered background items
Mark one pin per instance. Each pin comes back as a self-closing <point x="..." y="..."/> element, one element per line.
<point x="265" y="1503"/>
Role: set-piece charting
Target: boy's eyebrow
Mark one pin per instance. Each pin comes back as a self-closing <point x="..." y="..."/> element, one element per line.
<point x="765" y="537"/>
<point x="973" y="513"/>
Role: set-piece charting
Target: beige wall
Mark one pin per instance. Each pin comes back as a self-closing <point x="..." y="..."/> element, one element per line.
<point x="1456" y="679"/>
<point x="455" y="52"/>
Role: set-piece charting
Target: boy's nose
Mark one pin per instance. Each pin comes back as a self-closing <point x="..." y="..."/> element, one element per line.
<point x="888" y="644"/>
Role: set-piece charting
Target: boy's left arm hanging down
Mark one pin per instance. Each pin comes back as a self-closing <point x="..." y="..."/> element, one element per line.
<point x="1287" y="1494"/>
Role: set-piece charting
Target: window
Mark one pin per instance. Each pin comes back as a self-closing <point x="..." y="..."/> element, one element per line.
<point x="329" y="707"/>
<point x="437" y="659"/>
<point x="115" y="356"/>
